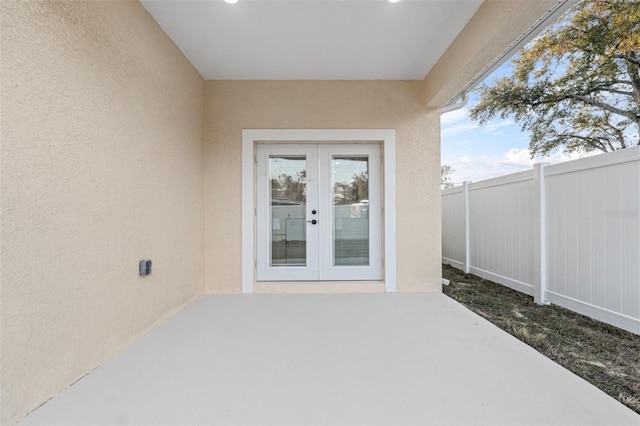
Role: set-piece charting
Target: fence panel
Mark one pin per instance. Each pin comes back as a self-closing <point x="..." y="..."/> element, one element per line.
<point x="453" y="227"/>
<point x="593" y="237"/>
<point x="501" y="230"/>
<point x="567" y="233"/>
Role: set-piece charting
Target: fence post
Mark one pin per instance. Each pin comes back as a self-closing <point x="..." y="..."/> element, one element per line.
<point x="467" y="243"/>
<point x="540" y="255"/>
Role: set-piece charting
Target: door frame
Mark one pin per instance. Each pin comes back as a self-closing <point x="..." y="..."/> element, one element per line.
<point x="251" y="137"/>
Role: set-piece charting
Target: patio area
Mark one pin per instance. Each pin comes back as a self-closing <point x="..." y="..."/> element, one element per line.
<point x="330" y="359"/>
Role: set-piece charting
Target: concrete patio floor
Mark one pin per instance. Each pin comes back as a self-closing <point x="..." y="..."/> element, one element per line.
<point x="330" y="359"/>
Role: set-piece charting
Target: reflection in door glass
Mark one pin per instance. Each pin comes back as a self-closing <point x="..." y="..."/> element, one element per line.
<point x="288" y="199"/>
<point x="350" y="196"/>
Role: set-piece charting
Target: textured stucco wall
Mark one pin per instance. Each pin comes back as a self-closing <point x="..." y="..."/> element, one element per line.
<point x="101" y="166"/>
<point x="231" y="106"/>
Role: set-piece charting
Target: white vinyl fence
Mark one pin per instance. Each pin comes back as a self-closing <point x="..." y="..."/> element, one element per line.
<point x="567" y="234"/>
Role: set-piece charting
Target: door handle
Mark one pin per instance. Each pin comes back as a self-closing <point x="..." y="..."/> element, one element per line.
<point x="313" y="222"/>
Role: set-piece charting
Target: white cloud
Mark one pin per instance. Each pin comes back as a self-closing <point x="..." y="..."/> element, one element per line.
<point x="481" y="167"/>
<point x="458" y="122"/>
<point x="455" y="116"/>
<point x="456" y="129"/>
<point x="631" y="135"/>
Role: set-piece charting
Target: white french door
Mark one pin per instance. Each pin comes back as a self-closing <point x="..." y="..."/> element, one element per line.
<point x="319" y="212"/>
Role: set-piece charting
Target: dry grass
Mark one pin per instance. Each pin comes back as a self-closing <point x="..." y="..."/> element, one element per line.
<point x="605" y="356"/>
<point x="534" y="340"/>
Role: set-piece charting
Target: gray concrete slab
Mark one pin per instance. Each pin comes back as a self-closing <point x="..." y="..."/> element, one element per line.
<point x="371" y="359"/>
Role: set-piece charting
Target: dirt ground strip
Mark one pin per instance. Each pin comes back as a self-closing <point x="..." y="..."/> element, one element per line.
<point x="605" y="356"/>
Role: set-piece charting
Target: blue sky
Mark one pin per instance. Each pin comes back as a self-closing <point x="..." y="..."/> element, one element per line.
<point x="495" y="149"/>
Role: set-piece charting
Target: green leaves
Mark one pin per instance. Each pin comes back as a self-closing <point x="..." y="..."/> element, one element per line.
<point x="445" y="177"/>
<point x="577" y="86"/>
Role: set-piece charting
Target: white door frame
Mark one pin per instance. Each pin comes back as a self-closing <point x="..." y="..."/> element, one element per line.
<point x="250" y="137"/>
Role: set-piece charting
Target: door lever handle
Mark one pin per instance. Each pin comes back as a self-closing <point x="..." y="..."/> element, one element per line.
<point x="313" y="222"/>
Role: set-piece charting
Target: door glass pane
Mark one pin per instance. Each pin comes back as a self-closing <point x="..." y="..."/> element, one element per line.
<point x="288" y="200"/>
<point x="350" y="195"/>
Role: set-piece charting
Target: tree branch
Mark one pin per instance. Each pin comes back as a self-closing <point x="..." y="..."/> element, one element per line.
<point x="619" y="111"/>
<point x="634" y="73"/>
<point x="619" y="92"/>
<point x="589" y="141"/>
<point x="629" y="58"/>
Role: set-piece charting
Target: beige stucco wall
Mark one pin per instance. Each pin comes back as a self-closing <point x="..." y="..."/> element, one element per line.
<point x="231" y="106"/>
<point x="101" y="166"/>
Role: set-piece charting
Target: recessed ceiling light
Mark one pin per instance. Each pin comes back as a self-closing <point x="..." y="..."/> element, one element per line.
<point x="394" y="1"/>
<point x="234" y="1"/>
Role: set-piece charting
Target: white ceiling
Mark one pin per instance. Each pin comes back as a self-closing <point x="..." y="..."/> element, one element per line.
<point x="313" y="40"/>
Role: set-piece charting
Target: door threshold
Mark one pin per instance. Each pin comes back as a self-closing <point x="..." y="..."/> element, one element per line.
<point x="318" y="287"/>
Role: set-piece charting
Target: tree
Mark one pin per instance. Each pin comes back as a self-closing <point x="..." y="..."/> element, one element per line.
<point x="359" y="188"/>
<point x="354" y="191"/>
<point x="576" y="86"/>
<point x="286" y="187"/>
<point x="445" y="177"/>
